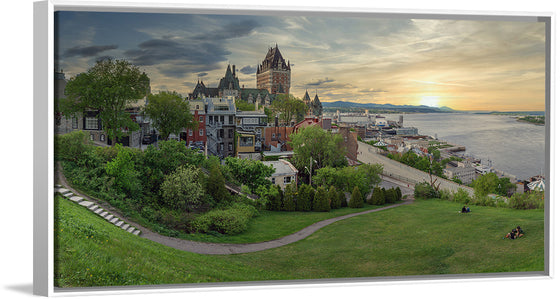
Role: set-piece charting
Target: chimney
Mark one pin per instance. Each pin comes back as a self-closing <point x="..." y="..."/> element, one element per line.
<point x="234" y="70"/>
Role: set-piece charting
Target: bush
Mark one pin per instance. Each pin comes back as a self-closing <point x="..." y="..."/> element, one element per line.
<point x="290" y="197"/>
<point x="377" y="198"/>
<point x="321" y="200"/>
<point x="72" y="146"/>
<point x="356" y="200"/>
<point x="425" y="191"/>
<point x="306" y="194"/>
<point x="334" y="198"/>
<point x="215" y="185"/>
<point x="461" y="196"/>
<point x="231" y="221"/>
<point x="183" y="189"/>
<point x="525" y="201"/>
<point x="342" y="198"/>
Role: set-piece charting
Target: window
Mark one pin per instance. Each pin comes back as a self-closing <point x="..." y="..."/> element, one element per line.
<point x="230" y="146"/>
<point x="230" y="133"/>
<point x="231" y="120"/>
<point x="92" y="123"/>
<point x="74" y="122"/>
<point x="246" y="141"/>
<point x="222" y="119"/>
<point x="91" y="137"/>
<point x="221" y="133"/>
<point x="287" y="179"/>
<point x="274" y="180"/>
<point x="102" y="137"/>
<point x="197" y="107"/>
<point x="221" y="146"/>
<point x="200" y="118"/>
<point x="279" y="135"/>
<point x="273" y="135"/>
<point x="201" y="132"/>
<point x="190" y="132"/>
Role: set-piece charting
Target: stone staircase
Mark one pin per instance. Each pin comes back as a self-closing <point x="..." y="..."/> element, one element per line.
<point x="68" y="194"/>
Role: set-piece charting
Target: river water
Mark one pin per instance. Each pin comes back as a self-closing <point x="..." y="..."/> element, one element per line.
<point x="514" y="147"/>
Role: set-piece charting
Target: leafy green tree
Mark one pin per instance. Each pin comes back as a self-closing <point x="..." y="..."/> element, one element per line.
<point x="505" y="187"/>
<point x="399" y="193"/>
<point x="342" y="198"/>
<point x="356" y="201"/>
<point x="390" y="195"/>
<point x="334" y="198"/>
<point x="321" y="200"/>
<point x="122" y="170"/>
<point x="462" y="196"/>
<point x="169" y="113"/>
<point x="289" y="107"/>
<point x="252" y="173"/>
<point x="244" y="105"/>
<point x="290" y="197"/>
<point x="183" y="189"/>
<point x="274" y="198"/>
<point x="485" y="184"/>
<point x="108" y="88"/>
<point x="315" y="145"/>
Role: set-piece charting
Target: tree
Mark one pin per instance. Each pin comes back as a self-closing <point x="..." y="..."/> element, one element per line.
<point x="108" y="88"/>
<point x="356" y="200"/>
<point x="504" y="187"/>
<point x="318" y="146"/>
<point x="321" y="200"/>
<point x="485" y="184"/>
<point x="342" y="198"/>
<point x="169" y="113"/>
<point x="183" y="189"/>
<point x="121" y="168"/>
<point x="288" y="107"/>
<point x="252" y="173"/>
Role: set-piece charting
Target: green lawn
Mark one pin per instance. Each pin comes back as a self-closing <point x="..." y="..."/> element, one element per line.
<point x="427" y="237"/>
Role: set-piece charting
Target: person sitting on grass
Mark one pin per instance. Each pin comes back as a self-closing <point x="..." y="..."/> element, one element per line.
<point x="464" y="209"/>
<point x="468" y="210"/>
<point x="518" y="232"/>
<point x="512" y="235"/>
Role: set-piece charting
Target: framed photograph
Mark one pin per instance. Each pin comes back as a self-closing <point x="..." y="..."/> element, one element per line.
<point x="186" y="147"/>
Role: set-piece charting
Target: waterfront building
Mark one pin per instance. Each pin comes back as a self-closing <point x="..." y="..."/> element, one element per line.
<point x="407" y="131"/>
<point x="284" y="173"/>
<point x="465" y="174"/>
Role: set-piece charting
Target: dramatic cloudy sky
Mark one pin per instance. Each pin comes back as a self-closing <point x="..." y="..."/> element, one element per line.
<point x="462" y="64"/>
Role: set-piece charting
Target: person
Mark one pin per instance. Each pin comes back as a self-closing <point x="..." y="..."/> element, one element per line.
<point x="518" y="232"/>
<point x="468" y="210"/>
<point x="464" y="209"/>
<point x="512" y="235"/>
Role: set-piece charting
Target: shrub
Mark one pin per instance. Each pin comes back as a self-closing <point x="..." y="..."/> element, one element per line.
<point x="356" y="200"/>
<point x="215" y="185"/>
<point x="183" y="189"/>
<point x="525" y="201"/>
<point x="399" y="193"/>
<point x="290" y="197"/>
<point x="342" y="198"/>
<point x="321" y="200"/>
<point x="122" y="169"/>
<point x="424" y="191"/>
<point x="391" y="196"/>
<point x="72" y="146"/>
<point x="377" y="198"/>
<point x="231" y="221"/>
<point x="334" y="198"/>
<point x="461" y="196"/>
<point x="306" y="194"/>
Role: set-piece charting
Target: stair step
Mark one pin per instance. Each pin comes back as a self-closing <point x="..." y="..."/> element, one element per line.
<point x="131" y="229"/>
<point x="67" y="194"/>
<point x="93" y="208"/>
<point x="62" y="190"/>
<point x="114" y="220"/>
<point x="76" y="199"/>
<point x="109" y="217"/>
<point x="119" y="223"/>
<point x="86" y="203"/>
<point x="136" y="232"/>
<point x="125" y="226"/>
<point x="98" y="211"/>
<point x="104" y="214"/>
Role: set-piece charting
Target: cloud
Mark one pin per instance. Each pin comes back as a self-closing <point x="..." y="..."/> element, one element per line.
<point x="203" y="74"/>
<point x="320" y="82"/>
<point x="248" y="70"/>
<point x="231" y="30"/>
<point x="372" y="90"/>
<point x="106" y="57"/>
<point x="88" y="51"/>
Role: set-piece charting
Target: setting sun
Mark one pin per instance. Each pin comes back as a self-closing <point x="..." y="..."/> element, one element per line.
<point x="431" y="101"/>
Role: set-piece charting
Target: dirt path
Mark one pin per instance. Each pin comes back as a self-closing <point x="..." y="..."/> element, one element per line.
<point x="219" y="248"/>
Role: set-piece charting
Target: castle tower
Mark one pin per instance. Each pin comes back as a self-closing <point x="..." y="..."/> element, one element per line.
<point x="274" y="72"/>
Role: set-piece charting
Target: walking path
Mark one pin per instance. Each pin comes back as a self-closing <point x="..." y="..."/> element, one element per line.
<point x="200" y="247"/>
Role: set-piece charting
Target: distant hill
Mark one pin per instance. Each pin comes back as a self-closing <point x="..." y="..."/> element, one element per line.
<point x="400" y="108"/>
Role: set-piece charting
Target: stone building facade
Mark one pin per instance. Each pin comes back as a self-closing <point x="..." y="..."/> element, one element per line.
<point x="274" y="73"/>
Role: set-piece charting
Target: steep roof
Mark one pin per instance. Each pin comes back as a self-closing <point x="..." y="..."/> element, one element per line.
<point x="229" y="81"/>
<point x="273" y="60"/>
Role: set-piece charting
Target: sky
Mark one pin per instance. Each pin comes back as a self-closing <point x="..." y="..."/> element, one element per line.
<point x="462" y="64"/>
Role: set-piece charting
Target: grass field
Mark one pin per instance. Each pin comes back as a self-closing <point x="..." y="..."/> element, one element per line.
<point x="427" y="237"/>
